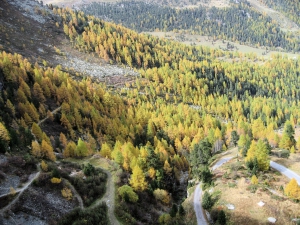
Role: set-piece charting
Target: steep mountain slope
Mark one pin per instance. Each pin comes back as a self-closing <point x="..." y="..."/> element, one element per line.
<point x="32" y="30"/>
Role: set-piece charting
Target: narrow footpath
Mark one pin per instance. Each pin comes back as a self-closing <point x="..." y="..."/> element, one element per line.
<point x="19" y="192"/>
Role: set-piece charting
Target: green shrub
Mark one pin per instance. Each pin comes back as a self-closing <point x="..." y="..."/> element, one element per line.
<point x="206" y="175"/>
<point x="126" y="192"/>
<point x="221" y="217"/>
<point x="207" y="201"/>
<point x="123" y="215"/>
<point x="284" y="153"/>
<point x="181" y="210"/>
<point x="173" y="210"/>
<point x="92" y="187"/>
<point x="79" y="217"/>
<point x="252" y="166"/>
<point x="252" y="188"/>
<point x="231" y="185"/>
<point x="89" y="170"/>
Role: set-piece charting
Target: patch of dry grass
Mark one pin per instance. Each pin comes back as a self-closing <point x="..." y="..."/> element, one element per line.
<point x="246" y="209"/>
<point x="207" y="41"/>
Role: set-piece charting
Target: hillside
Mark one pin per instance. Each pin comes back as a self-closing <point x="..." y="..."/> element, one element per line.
<point x="112" y="123"/>
<point x="249" y="23"/>
<point x="173" y="3"/>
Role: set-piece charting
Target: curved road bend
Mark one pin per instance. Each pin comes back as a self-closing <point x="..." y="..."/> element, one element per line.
<point x="198" y="195"/>
<point x="285" y="171"/>
<point x="221" y="162"/>
<point x="198" y="192"/>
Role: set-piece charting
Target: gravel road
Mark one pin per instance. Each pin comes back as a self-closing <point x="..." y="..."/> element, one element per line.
<point x="285" y="171"/>
<point x="198" y="195"/>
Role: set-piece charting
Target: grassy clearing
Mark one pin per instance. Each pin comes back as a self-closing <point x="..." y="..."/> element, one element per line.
<point x="207" y="41"/>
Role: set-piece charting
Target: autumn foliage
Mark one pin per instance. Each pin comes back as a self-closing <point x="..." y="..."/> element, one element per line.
<point x="292" y="189"/>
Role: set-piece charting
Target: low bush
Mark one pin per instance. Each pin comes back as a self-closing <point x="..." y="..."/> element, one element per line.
<point x="123" y="215"/>
<point x="207" y="201"/>
<point x="80" y="217"/>
<point x="92" y="187"/>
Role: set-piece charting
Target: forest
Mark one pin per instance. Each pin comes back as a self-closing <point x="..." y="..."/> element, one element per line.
<point x="185" y="106"/>
<point x="290" y="8"/>
<point x="239" y="23"/>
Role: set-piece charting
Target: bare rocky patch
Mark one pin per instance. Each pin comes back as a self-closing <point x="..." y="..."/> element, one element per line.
<point x="22" y="218"/>
<point x="77" y="4"/>
<point x="45" y="204"/>
<point x="33" y="10"/>
<point x="94" y="67"/>
<point x="9" y="181"/>
<point x="29" y="28"/>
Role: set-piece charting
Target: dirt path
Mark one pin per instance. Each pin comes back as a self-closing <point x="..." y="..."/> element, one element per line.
<point x="19" y="192"/>
<point x="75" y="193"/>
<point x="53" y="112"/>
<point x="109" y="198"/>
<point x="31" y="178"/>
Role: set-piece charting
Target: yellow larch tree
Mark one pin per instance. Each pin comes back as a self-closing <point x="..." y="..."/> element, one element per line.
<point x="36" y="149"/>
<point x="4" y="135"/>
<point x="292" y="189"/>
<point x="137" y="180"/>
<point x="167" y="168"/>
<point x="47" y="151"/>
<point x="105" y="151"/>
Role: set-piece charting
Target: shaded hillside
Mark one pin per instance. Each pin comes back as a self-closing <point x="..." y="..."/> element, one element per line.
<point x="289" y="8"/>
<point x="239" y="22"/>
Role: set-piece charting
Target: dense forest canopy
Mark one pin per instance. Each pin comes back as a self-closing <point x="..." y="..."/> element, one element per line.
<point x="193" y="75"/>
<point x="239" y="22"/>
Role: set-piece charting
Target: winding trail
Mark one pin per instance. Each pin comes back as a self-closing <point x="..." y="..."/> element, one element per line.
<point x="53" y="112"/>
<point x="108" y="198"/>
<point x="221" y="162"/>
<point x="32" y="177"/>
<point x="76" y="195"/>
<point x="19" y="192"/>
